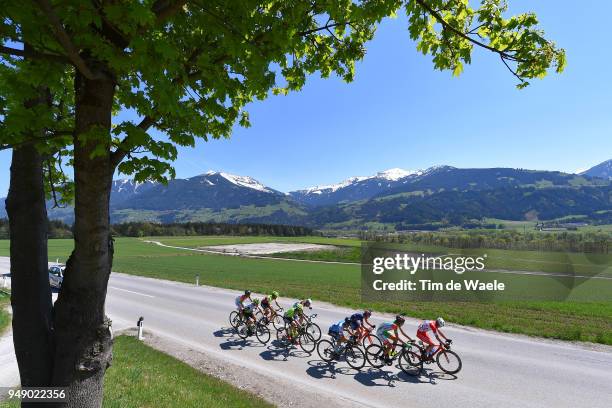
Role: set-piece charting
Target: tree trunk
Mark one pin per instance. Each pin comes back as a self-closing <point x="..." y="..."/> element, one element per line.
<point x="82" y="331"/>
<point x="30" y="294"/>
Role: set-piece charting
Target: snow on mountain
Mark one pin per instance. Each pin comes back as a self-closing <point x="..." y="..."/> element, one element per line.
<point x="394" y="174"/>
<point x="242" y="181"/>
<point x="246" y="181"/>
<point x="123" y="189"/>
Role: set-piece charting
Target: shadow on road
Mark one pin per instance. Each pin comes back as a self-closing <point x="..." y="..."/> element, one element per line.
<point x="432" y="377"/>
<point x="374" y="377"/>
<point x="224" y="332"/>
<point x="322" y="369"/>
<point x="234" y="344"/>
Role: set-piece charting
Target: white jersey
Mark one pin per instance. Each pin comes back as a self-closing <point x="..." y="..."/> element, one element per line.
<point x="427" y="326"/>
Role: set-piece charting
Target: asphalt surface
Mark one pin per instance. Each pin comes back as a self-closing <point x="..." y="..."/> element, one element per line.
<point x="498" y="370"/>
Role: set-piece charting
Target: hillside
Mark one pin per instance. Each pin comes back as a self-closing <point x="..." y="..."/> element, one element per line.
<point x="395" y="198"/>
<point x="602" y="170"/>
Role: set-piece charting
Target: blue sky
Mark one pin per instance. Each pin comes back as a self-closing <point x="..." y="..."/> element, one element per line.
<point x="399" y="112"/>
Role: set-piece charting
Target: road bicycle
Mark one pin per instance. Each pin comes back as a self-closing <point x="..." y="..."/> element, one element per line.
<point x="276" y="319"/>
<point x="312" y="328"/>
<point x="350" y="350"/>
<point x="448" y="361"/>
<point x="376" y="356"/>
<point x="368" y="338"/>
<point x="289" y="335"/>
<point x="247" y="327"/>
<point x="234" y="318"/>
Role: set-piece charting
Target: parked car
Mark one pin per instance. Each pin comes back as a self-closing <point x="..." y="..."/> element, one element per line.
<point x="56" y="276"/>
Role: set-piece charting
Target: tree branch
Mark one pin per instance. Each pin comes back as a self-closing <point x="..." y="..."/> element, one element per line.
<point x="66" y="42"/>
<point x="325" y="27"/>
<point x="33" y="54"/>
<point x="461" y="34"/>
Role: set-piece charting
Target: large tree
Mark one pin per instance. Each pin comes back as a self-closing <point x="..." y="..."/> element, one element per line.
<point x="188" y="69"/>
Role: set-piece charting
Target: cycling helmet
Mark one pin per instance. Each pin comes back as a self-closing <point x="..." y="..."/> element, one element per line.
<point x="247" y="292"/>
<point x="274" y="294"/>
<point x="399" y="319"/>
<point x="367" y="313"/>
<point x="307" y="302"/>
<point x="299" y="308"/>
<point x="347" y="320"/>
<point x="440" y="322"/>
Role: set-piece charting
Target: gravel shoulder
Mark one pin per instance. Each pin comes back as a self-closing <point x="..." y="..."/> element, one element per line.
<point x="272" y="389"/>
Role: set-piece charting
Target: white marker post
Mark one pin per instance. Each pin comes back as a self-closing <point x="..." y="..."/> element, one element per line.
<point x="197" y="280"/>
<point x="139" y="323"/>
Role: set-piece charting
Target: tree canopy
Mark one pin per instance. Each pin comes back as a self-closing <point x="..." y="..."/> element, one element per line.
<point x="190" y="68"/>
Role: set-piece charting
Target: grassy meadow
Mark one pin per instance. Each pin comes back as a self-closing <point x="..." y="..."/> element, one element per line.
<point x="4" y="316"/>
<point x="144" y="377"/>
<point x="341" y="284"/>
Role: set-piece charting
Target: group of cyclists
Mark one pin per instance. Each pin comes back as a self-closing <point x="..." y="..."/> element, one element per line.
<point x="356" y="326"/>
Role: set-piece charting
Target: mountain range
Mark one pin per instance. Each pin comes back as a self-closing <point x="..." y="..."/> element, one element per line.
<point x="395" y="198"/>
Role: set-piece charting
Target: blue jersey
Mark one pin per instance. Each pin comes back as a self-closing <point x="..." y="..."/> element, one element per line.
<point x="356" y="320"/>
<point x="357" y="317"/>
<point x="335" y="330"/>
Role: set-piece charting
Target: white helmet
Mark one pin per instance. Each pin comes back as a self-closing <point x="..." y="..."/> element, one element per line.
<point x="308" y="303"/>
<point x="440" y="322"/>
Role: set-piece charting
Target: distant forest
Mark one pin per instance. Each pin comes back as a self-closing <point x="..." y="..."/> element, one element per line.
<point x="589" y="242"/>
<point x="58" y="229"/>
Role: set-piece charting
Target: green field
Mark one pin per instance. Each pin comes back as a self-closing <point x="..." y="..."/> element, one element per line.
<point x="4" y="316"/>
<point x="340" y="284"/>
<point x="143" y="377"/>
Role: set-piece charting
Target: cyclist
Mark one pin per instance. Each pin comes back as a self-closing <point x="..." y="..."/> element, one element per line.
<point x="267" y="306"/>
<point x="423" y="333"/>
<point x="305" y="303"/>
<point x="241" y="299"/>
<point x="336" y="332"/>
<point x="291" y="317"/>
<point x="388" y="332"/>
<point x="250" y="310"/>
<point x="358" y="320"/>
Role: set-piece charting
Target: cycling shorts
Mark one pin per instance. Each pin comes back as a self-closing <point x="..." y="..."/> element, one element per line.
<point x="424" y="337"/>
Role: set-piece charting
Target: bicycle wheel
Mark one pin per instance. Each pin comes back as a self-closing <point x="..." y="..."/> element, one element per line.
<point x="314" y="330"/>
<point x="262" y="333"/>
<point x="375" y="356"/>
<point x="278" y="322"/>
<point x="307" y="342"/>
<point x="370" y="339"/>
<point x="449" y="362"/>
<point x="234" y="318"/>
<point x="410" y="361"/>
<point x="325" y="349"/>
<point x="354" y="357"/>
<point x="242" y="329"/>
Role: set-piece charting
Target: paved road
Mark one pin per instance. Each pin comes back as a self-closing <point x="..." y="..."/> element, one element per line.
<point x="499" y="370"/>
